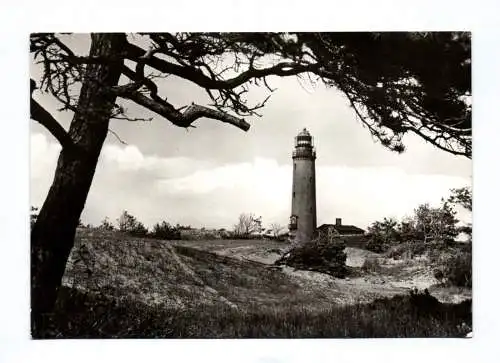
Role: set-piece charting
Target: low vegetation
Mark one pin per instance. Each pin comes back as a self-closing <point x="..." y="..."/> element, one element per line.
<point x="80" y="315"/>
<point x="324" y="254"/>
<point x="164" y="230"/>
<point x="119" y="286"/>
<point x="453" y="265"/>
<point x="429" y="233"/>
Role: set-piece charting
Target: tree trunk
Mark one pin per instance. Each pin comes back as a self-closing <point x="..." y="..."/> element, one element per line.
<point x="52" y="237"/>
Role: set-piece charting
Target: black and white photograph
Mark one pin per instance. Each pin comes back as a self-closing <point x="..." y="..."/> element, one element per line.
<point x="251" y="185"/>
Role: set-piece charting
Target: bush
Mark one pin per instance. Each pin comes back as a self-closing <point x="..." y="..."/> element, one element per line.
<point x="371" y="265"/>
<point x="377" y="244"/>
<point x="106" y="225"/>
<point x="323" y="254"/>
<point x="383" y="234"/>
<point x="455" y="268"/>
<point x="165" y="231"/>
<point x="139" y="230"/>
<point x="129" y="224"/>
<point x="407" y="250"/>
<point x="202" y="234"/>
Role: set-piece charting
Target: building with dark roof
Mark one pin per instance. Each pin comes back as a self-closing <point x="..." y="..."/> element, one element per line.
<point x="341" y="229"/>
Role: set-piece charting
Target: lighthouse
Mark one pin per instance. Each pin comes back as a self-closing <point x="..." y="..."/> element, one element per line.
<point x="303" y="219"/>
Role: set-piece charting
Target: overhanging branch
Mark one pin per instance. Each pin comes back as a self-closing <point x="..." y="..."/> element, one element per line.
<point x="197" y="76"/>
<point x="162" y="107"/>
<point x="186" y="118"/>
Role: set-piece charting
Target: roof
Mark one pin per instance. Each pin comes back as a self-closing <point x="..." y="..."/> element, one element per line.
<point x="343" y="228"/>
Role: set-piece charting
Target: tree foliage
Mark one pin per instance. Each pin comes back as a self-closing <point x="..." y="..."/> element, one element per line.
<point x="435" y="224"/>
<point x="382" y="234"/>
<point x="425" y="225"/>
<point x="402" y="83"/>
<point x="462" y="197"/>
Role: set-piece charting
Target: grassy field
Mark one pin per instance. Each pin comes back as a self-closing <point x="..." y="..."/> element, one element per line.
<point x="117" y="286"/>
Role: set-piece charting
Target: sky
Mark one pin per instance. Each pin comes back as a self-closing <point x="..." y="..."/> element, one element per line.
<point x="206" y="176"/>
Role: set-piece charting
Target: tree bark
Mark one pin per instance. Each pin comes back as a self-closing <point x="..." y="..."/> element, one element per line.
<point x="53" y="234"/>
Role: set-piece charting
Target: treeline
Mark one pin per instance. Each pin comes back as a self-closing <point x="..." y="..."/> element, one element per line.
<point x="430" y="232"/>
<point x="249" y="226"/>
<point x="129" y="224"/>
<point x="425" y="226"/>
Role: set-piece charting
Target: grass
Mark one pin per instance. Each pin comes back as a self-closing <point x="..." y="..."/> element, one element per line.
<point x="82" y="315"/>
<point x="161" y="272"/>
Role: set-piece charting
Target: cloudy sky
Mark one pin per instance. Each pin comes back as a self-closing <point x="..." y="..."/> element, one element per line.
<point x="210" y="174"/>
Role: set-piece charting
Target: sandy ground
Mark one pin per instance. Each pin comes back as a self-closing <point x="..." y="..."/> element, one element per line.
<point x="405" y="275"/>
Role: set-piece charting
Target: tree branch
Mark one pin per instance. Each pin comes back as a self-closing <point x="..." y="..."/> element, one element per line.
<point x="198" y="77"/>
<point x="38" y="113"/>
<point x="117" y="137"/>
<point x="186" y="118"/>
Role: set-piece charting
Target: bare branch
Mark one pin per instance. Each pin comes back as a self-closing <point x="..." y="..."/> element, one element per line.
<point x="133" y="119"/>
<point x="40" y="114"/>
<point x="191" y="114"/>
<point x="162" y="107"/>
<point x="117" y="137"/>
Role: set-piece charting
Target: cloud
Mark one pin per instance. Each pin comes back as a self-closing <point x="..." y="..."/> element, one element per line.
<point x="130" y="158"/>
<point x="189" y="191"/>
<point x="43" y="155"/>
<point x="358" y="195"/>
<point x="43" y="160"/>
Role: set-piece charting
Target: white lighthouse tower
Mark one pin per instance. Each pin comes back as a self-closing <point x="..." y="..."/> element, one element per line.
<point x="303" y="219"/>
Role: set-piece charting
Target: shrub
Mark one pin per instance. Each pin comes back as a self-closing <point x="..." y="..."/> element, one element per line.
<point x="377" y="244"/>
<point x="383" y="234"/>
<point x="106" y="225"/>
<point x="164" y="230"/>
<point x="371" y="264"/>
<point x="455" y="268"/>
<point x="202" y="234"/>
<point x="138" y="230"/>
<point x="407" y="250"/>
<point x="129" y="224"/>
<point x="323" y="254"/>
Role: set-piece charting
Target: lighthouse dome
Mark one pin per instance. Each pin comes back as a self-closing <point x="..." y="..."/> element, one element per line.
<point x="304" y="145"/>
<point x="304" y="132"/>
<point x="304" y="139"/>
